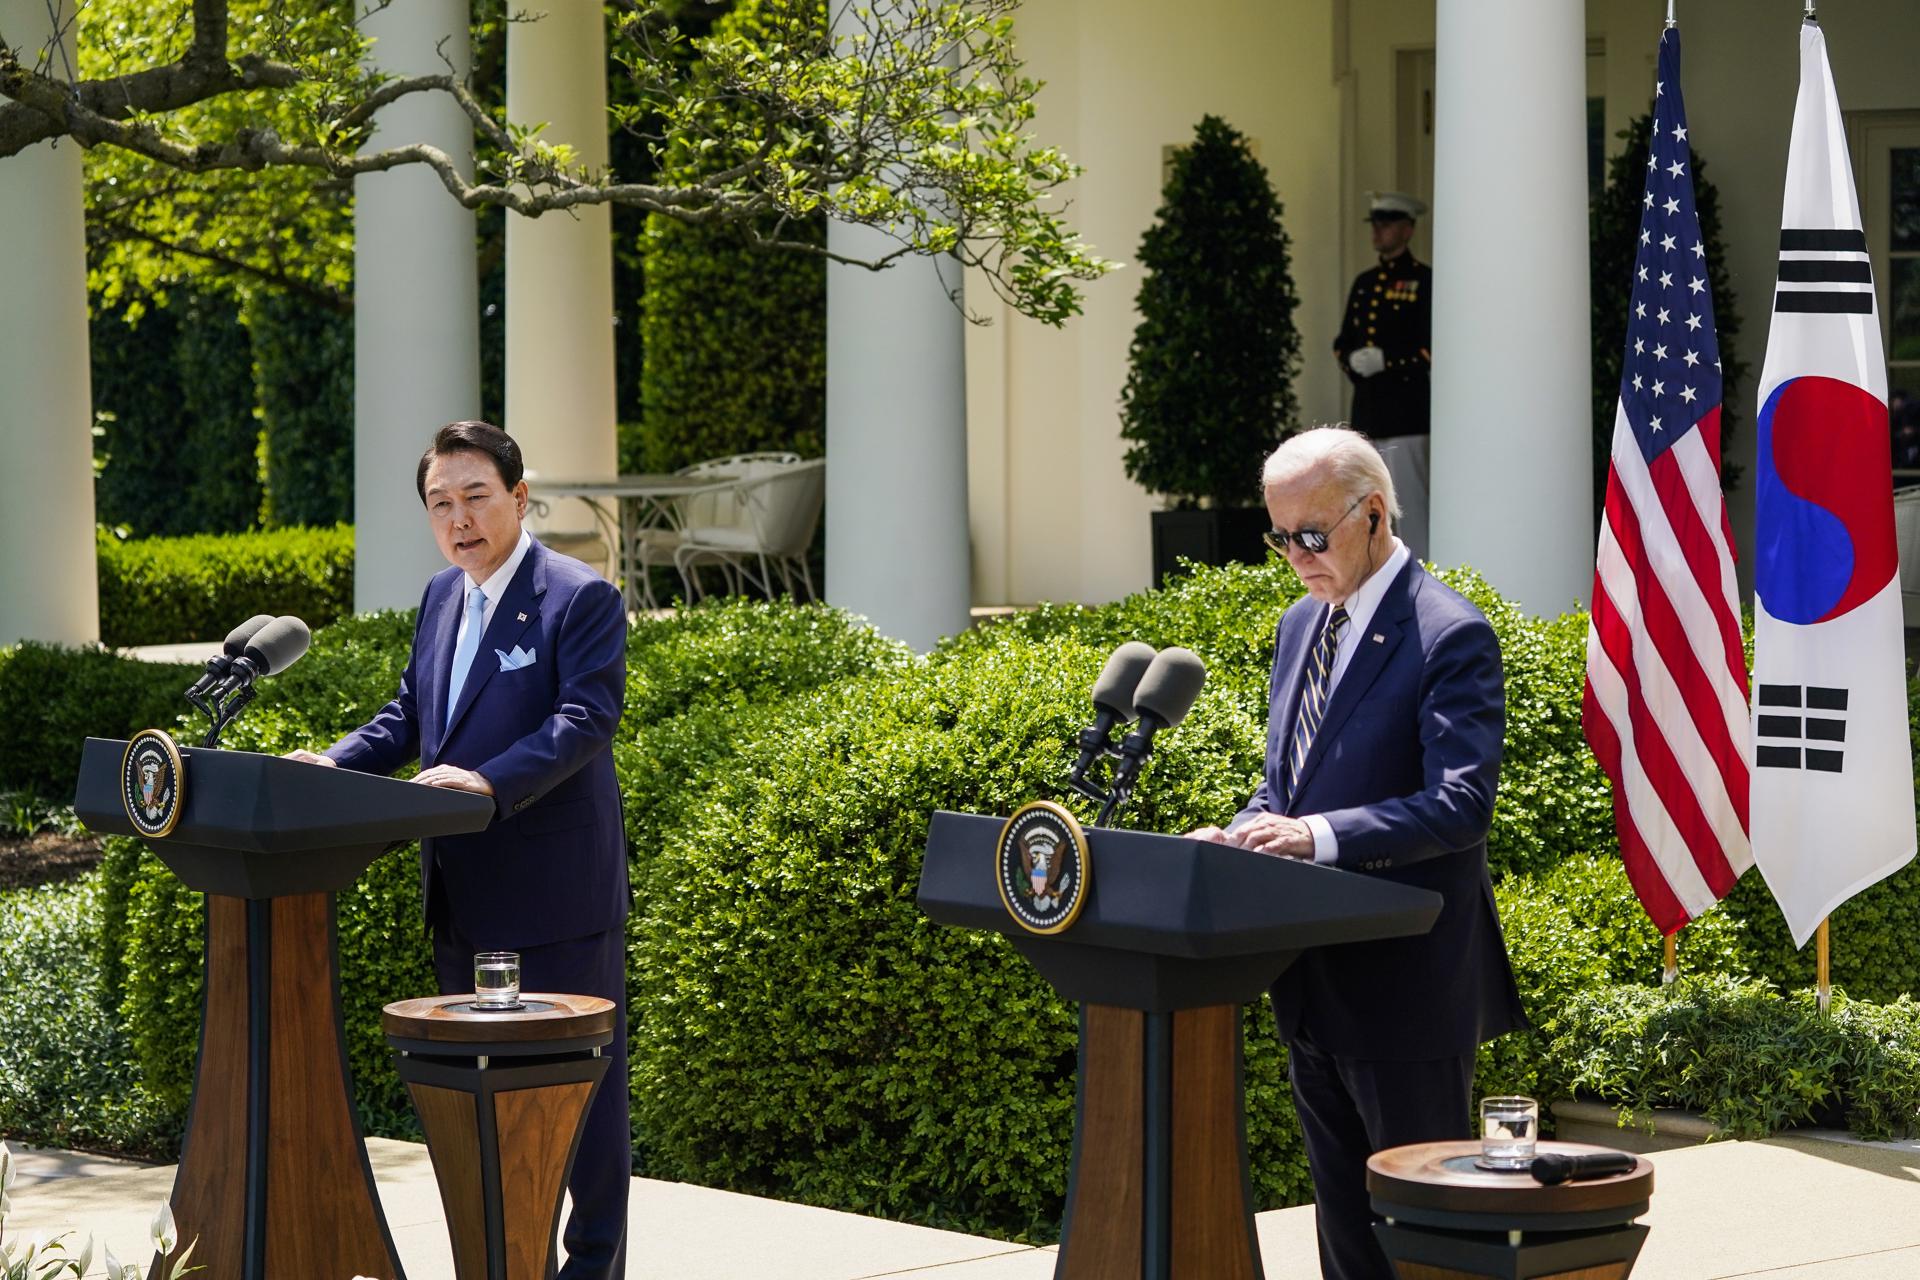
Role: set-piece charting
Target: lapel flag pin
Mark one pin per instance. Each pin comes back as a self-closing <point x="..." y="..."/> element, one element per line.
<point x="1378" y="638"/>
<point x="523" y="618"/>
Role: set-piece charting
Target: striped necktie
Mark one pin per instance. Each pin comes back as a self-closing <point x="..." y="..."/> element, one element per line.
<point x="1313" y="694"/>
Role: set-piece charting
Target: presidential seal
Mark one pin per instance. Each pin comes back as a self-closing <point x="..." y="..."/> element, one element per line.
<point x="151" y="777"/>
<point x="1043" y="868"/>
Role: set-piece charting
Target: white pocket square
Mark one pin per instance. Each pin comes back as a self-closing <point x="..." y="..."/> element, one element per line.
<point x="517" y="659"/>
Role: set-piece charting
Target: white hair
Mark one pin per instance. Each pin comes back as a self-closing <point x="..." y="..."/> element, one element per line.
<point x="1350" y="459"/>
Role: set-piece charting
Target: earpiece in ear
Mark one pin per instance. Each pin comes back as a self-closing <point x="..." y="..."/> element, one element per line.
<point x="1373" y="523"/>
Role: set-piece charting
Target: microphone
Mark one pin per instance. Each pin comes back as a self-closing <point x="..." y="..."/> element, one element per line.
<point x="273" y="649"/>
<point x="1166" y="693"/>
<point x="1112" y="704"/>
<point x="234" y="645"/>
<point x="270" y="650"/>
<point x="1551" y="1170"/>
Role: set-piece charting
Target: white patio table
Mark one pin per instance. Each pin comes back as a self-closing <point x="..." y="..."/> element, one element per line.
<point x="624" y="506"/>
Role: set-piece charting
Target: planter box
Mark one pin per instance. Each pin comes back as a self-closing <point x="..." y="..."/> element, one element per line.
<point x="1218" y="535"/>
<point x="1598" y="1123"/>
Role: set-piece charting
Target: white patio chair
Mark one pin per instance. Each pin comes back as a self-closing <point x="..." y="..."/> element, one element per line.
<point x="655" y="545"/>
<point x="783" y="510"/>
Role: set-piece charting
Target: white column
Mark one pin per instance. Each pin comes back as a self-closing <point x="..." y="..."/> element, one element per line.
<point x="1512" y="458"/>
<point x="560" y="383"/>
<point x="896" y="515"/>
<point x="48" y="585"/>
<point x="416" y="308"/>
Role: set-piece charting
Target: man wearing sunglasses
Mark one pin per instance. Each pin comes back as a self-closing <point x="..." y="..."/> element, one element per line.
<point x="1384" y="731"/>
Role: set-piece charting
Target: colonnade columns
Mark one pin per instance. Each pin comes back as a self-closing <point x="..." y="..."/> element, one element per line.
<point x="560" y="374"/>
<point x="896" y="516"/>
<point x="1512" y="454"/>
<point x="48" y="584"/>
<point x="416" y="306"/>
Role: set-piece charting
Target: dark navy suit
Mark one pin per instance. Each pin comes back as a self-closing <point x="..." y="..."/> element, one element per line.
<point x="548" y="877"/>
<point x="1381" y="1035"/>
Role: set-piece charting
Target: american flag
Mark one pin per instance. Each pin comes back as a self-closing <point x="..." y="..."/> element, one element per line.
<point x="1665" y="708"/>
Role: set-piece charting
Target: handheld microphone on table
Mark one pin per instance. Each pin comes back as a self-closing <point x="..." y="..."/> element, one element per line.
<point x="1551" y="1170"/>
<point x="273" y="648"/>
<point x="221" y="663"/>
<point x="1165" y="694"/>
<point x="1113" y="706"/>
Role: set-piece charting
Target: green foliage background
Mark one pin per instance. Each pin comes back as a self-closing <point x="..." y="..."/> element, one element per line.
<point x="172" y="590"/>
<point x="1209" y="387"/>
<point x="802" y="1030"/>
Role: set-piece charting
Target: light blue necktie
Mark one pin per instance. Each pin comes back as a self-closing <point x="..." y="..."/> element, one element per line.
<point x="464" y="651"/>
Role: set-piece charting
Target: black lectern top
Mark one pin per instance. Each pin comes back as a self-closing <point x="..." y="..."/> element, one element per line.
<point x="258" y="826"/>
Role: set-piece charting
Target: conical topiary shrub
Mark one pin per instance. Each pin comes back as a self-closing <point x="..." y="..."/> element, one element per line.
<point x="1210" y="389"/>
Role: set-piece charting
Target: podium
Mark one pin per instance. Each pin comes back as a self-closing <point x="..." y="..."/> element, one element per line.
<point x="1174" y="937"/>
<point x="273" y="1178"/>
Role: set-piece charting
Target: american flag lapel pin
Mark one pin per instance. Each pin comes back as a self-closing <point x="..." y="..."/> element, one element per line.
<point x="1378" y="638"/>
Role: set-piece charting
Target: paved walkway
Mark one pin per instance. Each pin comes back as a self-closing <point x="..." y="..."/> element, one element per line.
<point x="1807" y="1207"/>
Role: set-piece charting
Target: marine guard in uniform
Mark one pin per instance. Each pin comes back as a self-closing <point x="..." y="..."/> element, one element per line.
<point x="1384" y="347"/>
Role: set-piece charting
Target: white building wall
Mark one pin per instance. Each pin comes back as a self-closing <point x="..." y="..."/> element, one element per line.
<point x="1053" y="513"/>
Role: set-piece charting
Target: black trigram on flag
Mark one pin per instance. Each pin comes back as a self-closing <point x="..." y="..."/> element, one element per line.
<point x="1824" y="271"/>
<point x="1787" y="715"/>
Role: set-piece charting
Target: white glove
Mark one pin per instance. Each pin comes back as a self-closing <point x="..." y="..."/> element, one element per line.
<point x="1367" y="361"/>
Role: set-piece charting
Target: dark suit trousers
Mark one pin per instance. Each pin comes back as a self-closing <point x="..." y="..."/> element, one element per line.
<point x="596" y="1231"/>
<point x="1350" y="1108"/>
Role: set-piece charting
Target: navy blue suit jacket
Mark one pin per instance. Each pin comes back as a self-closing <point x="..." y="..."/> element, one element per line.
<point x="553" y="863"/>
<point x="1403" y="769"/>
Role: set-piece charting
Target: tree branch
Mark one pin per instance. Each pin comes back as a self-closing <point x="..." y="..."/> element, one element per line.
<point x="110" y="229"/>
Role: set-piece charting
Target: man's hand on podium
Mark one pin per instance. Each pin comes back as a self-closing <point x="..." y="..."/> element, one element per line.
<point x="309" y="757"/>
<point x="1273" y="833"/>
<point x="456" y="778"/>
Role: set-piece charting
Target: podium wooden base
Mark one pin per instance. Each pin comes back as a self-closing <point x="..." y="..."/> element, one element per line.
<point x="273" y="1177"/>
<point x="1159" y="1188"/>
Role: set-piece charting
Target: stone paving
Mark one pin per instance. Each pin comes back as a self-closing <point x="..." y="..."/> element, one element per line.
<point x="1810" y="1206"/>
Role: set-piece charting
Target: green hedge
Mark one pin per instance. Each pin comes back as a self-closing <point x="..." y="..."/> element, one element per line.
<point x="172" y="590"/>
<point x="52" y="699"/>
<point x="801" y="1030"/>
<point x="1753" y="1061"/>
<point x="303" y="376"/>
<point x="173" y="398"/>
<point x="66" y="1069"/>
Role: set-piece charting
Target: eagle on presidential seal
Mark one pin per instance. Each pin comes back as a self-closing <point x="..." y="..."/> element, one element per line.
<point x="1048" y="880"/>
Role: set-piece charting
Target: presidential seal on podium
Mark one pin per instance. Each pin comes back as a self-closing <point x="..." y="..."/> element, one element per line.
<point x="1043" y="868"/>
<point x="152" y="778"/>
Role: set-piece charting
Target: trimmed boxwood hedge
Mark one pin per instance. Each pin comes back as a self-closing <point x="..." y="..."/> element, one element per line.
<point x="173" y="590"/>
<point x="801" y="1030"/>
<point x="53" y="698"/>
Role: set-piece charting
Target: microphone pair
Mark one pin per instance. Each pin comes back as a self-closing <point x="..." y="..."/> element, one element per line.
<point x="263" y="645"/>
<point x="1158" y="689"/>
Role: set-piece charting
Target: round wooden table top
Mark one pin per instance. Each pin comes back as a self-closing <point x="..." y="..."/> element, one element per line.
<point x="454" y="1019"/>
<point x="1443" y="1176"/>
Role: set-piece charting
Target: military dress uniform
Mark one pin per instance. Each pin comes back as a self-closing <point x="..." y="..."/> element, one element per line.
<point x="1391" y="307"/>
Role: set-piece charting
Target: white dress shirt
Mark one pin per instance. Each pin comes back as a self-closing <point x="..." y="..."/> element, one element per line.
<point x="1361" y="606"/>
<point x="494" y="587"/>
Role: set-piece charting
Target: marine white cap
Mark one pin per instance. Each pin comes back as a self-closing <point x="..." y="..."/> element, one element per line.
<point x="1394" y="204"/>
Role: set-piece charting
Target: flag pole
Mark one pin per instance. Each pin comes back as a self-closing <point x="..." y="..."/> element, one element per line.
<point x="1823" y="978"/>
<point x="1670" y="20"/>
<point x="1670" y="969"/>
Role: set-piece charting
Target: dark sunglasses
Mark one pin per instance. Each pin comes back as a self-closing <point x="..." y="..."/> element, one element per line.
<point x="1313" y="540"/>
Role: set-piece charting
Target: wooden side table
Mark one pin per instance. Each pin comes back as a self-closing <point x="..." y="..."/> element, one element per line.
<point x="502" y="1096"/>
<point x="1447" y="1219"/>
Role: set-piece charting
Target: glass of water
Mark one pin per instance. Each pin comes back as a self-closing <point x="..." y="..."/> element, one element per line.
<point x="496" y="980"/>
<point x="1509" y="1125"/>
